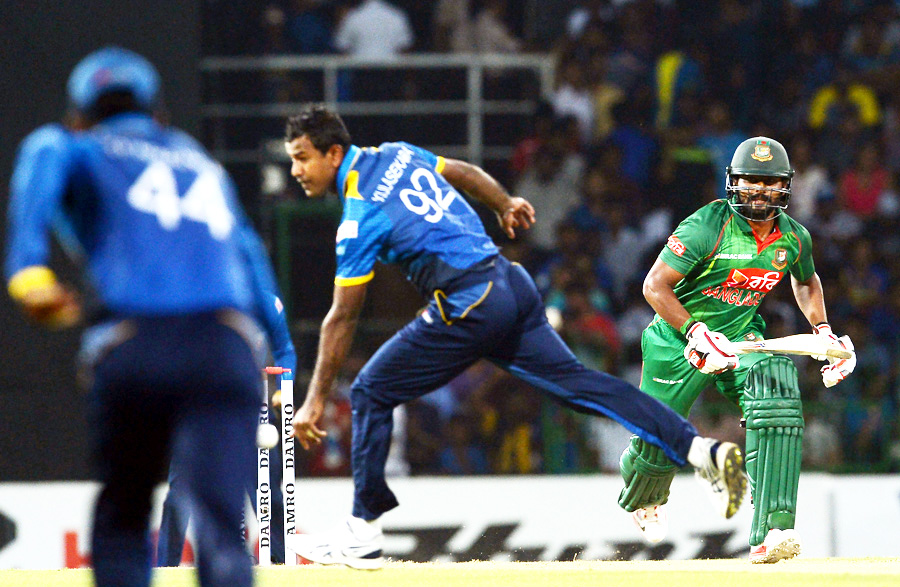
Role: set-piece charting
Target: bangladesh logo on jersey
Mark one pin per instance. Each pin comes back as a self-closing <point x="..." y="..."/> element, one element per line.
<point x="744" y="287"/>
<point x="675" y="244"/>
<point x="780" y="260"/>
<point x="762" y="152"/>
<point x="756" y="279"/>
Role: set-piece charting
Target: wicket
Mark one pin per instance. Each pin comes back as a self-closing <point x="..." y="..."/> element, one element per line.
<point x="263" y="480"/>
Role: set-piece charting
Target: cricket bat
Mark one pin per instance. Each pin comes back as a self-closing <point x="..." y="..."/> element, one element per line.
<point x="796" y="344"/>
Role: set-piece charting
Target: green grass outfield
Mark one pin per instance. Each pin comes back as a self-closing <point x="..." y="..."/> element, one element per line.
<point x="830" y="572"/>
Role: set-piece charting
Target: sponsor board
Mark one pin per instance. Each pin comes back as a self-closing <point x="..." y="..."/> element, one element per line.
<point x="497" y="518"/>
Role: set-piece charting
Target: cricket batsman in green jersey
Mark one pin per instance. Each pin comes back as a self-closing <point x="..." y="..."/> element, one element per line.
<point x="706" y="287"/>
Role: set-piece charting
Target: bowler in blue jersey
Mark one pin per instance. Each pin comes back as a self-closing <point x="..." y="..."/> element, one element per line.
<point x="174" y="278"/>
<point x="405" y="205"/>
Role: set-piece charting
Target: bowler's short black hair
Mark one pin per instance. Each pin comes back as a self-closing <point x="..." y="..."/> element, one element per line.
<point x="112" y="103"/>
<point x="323" y="127"/>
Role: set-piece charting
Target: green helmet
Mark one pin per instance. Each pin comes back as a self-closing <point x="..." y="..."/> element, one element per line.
<point x="759" y="159"/>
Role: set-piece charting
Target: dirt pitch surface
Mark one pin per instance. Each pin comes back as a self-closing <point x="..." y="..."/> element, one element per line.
<point x="802" y="572"/>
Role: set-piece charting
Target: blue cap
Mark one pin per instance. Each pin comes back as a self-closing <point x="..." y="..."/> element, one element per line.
<point x="109" y="70"/>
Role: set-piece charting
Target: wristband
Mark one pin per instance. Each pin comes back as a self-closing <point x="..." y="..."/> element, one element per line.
<point x="821" y="325"/>
<point x="685" y="328"/>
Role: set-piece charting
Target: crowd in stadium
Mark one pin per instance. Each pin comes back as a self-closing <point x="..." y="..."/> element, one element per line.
<point x="651" y="99"/>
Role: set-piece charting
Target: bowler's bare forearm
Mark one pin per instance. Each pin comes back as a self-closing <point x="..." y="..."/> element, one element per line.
<point x="336" y="338"/>
<point x="477" y="183"/>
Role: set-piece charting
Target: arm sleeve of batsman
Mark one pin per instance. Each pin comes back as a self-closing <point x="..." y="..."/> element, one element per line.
<point x="38" y="185"/>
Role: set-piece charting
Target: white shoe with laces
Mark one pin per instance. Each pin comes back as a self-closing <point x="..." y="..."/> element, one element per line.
<point x="653" y="522"/>
<point x="778" y="545"/>
<point x="355" y="543"/>
<point x="724" y="477"/>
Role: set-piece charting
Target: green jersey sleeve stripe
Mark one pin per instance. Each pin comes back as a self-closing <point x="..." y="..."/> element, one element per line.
<point x="719" y="240"/>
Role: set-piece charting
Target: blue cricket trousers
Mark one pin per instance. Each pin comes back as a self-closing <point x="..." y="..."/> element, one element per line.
<point x="176" y="514"/>
<point x="188" y="386"/>
<point x="508" y="327"/>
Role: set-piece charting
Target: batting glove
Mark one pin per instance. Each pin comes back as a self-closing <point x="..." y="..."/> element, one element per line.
<point x="709" y="352"/>
<point x="823" y="331"/>
<point x="839" y="369"/>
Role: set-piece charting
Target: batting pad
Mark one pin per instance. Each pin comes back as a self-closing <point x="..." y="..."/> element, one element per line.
<point x="774" y="418"/>
<point x="648" y="474"/>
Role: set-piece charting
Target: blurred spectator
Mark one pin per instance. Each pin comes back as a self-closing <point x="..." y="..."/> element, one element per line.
<point x="735" y="63"/>
<point x="606" y="442"/>
<point x="890" y="136"/>
<point x="487" y="30"/>
<point x="460" y="454"/>
<point x="309" y="28"/>
<point x="423" y="439"/>
<point x="679" y="75"/>
<point x="605" y="95"/>
<point x="631" y="60"/>
<point x="870" y="48"/>
<point x="331" y="458"/>
<point x="807" y="62"/>
<point x="863" y="277"/>
<point x="831" y="102"/>
<point x="633" y="136"/>
<point x="449" y="17"/>
<point x="870" y="408"/>
<point x="518" y="436"/>
<point x="861" y="187"/>
<point x="274" y="39"/>
<point x="821" y="441"/>
<point x="569" y="263"/>
<point x="719" y="140"/>
<point x="552" y="185"/>
<point x="541" y="127"/>
<point x="589" y="216"/>
<point x="884" y="319"/>
<point x="810" y="181"/>
<point x="622" y="248"/>
<point x="373" y="29"/>
<point x="573" y="97"/>
<point x="397" y="465"/>
<point x="563" y="442"/>
<point x="589" y="332"/>
<point x="586" y="13"/>
<point x="608" y="158"/>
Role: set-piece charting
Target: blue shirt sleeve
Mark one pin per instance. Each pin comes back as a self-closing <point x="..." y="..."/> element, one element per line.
<point x="40" y="179"/>
<point x="431" y="158"/>
<point x="360" y="237"/>
<point x="269" y="309"/>
<point x="276" y="326"/>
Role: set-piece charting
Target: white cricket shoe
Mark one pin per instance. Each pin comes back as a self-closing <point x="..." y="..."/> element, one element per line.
<point x="355" y="543"/>
<point x="724" y="478"/>
<point x="778" y="545"/>
<point x="653" y="522"/>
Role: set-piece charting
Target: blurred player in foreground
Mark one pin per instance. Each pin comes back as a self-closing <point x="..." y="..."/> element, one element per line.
<point x="706" y="287"/>
<point x="403" y="205"/>
<point x="172" y="269"/>
<point x="176" y="508"/>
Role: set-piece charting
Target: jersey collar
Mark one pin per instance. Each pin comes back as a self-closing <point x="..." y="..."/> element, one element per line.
<point x="346" y="165"/>
<point x="781" y="228"/>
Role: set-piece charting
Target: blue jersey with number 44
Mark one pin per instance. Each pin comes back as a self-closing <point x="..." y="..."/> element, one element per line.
<point x="399" y="209"/>
<point x="154" y="219"/>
